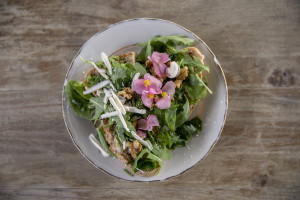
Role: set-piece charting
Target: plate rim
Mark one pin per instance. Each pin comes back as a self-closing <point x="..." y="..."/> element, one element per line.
<point x="135" y="19"/>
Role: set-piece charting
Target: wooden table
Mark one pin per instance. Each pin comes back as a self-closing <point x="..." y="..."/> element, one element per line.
<point x="257" y="43"/>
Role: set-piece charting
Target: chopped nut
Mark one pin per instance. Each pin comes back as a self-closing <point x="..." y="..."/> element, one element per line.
<point x="136" y="147"/>
<point x="149" y="63"/>
<point x="126" y="93"/>
<point x="178" y="83"/>
<point x="182" y="76"/>
<point x="136" y="144"/>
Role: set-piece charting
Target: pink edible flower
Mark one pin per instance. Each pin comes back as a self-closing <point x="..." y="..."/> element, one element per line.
<point x="167" y="94"/>
<point x="142" y="134"/>
<point x="149" y="123"/>
<point x="159" y="60"/>
<point x="147" y="87"/>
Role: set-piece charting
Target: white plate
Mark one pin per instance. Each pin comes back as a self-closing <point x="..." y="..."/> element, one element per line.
<point x="213" y="113"/>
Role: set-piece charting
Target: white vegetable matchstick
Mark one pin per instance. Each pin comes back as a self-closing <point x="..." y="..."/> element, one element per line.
<point x="97" y="87"/>
<point x="146" y="143"/>
<point x="110" y="114"/>
<point x="106" y="62"/>
<point x="135" y="110"/>
<point x="118" y="101"/>
<point x="97" y="144"/>
<point x="101" y="71"/>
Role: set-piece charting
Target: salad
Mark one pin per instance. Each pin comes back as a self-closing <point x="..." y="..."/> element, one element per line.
<point x="141" y="103"/>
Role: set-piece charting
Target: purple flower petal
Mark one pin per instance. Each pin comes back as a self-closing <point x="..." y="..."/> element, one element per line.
<point x="152" y="121"/>
<point x="159" y="57"/>
<point x="155" y="91"/>
<point x="164" y="102"/>
<point x="157" y="69"/>
<point x="146" y="98"/>
<point x="163" y="68"/>
<point x="164" y="57"/>
<point x="143" y="124"/>
<point x="138" y="86"/>
<point x="142" y="134"/>
<point x="169" y="88"/>
<point x="155" y="83"/>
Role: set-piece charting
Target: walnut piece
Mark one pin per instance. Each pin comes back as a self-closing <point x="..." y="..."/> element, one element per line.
<point x="126" y="93"/>
<point x="136" y="148"/>
<point x="182" y="76"/>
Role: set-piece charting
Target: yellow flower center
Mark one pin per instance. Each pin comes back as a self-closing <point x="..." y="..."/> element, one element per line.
<point x="164" y="94"/>
<point x="147" y="83"/>
<point x="150" y="96"/>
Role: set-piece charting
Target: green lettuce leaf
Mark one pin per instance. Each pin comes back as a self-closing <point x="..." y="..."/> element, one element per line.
<point x="140" y="68"/>
<point x="122" y="75"/>
<point x="98" y="104"/>
<point x="185" y="131"/>
<point x="170" y="117"/>
<point x="194" y="87"/>
<point x="163" y="138"/>
<point x="145" y="154"/>
<point x="77" y="101"/>
<point x="194" y="64"/>
<point x="183" y="113"/>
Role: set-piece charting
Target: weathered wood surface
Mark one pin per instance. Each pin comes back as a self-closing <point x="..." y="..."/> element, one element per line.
<point x="258" y="45"/>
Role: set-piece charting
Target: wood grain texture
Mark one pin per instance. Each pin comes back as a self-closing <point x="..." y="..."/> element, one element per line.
<point x="258" y="45"/>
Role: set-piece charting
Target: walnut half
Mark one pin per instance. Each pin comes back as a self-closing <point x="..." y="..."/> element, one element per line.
<point x="126" y="93"/>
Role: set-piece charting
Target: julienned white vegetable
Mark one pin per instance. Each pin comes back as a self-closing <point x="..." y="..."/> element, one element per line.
<point x="112" y="86"/>
<point x="146" y="143"/>
<point x="106" y="62"/>
<point x="107" y="95"/>
<point x="136" y="76"/>
<point x="124" y="145"/>
<point x="97" y="144"/>
<point x="101" y="71"/>
<point x="118" y="101"/>
<point x="97" y="87"/>
<point x="135" y="110"/>
<point x="174" y="70"/>
<point x="114" y="104"/>
<point x="110" y="114"/>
